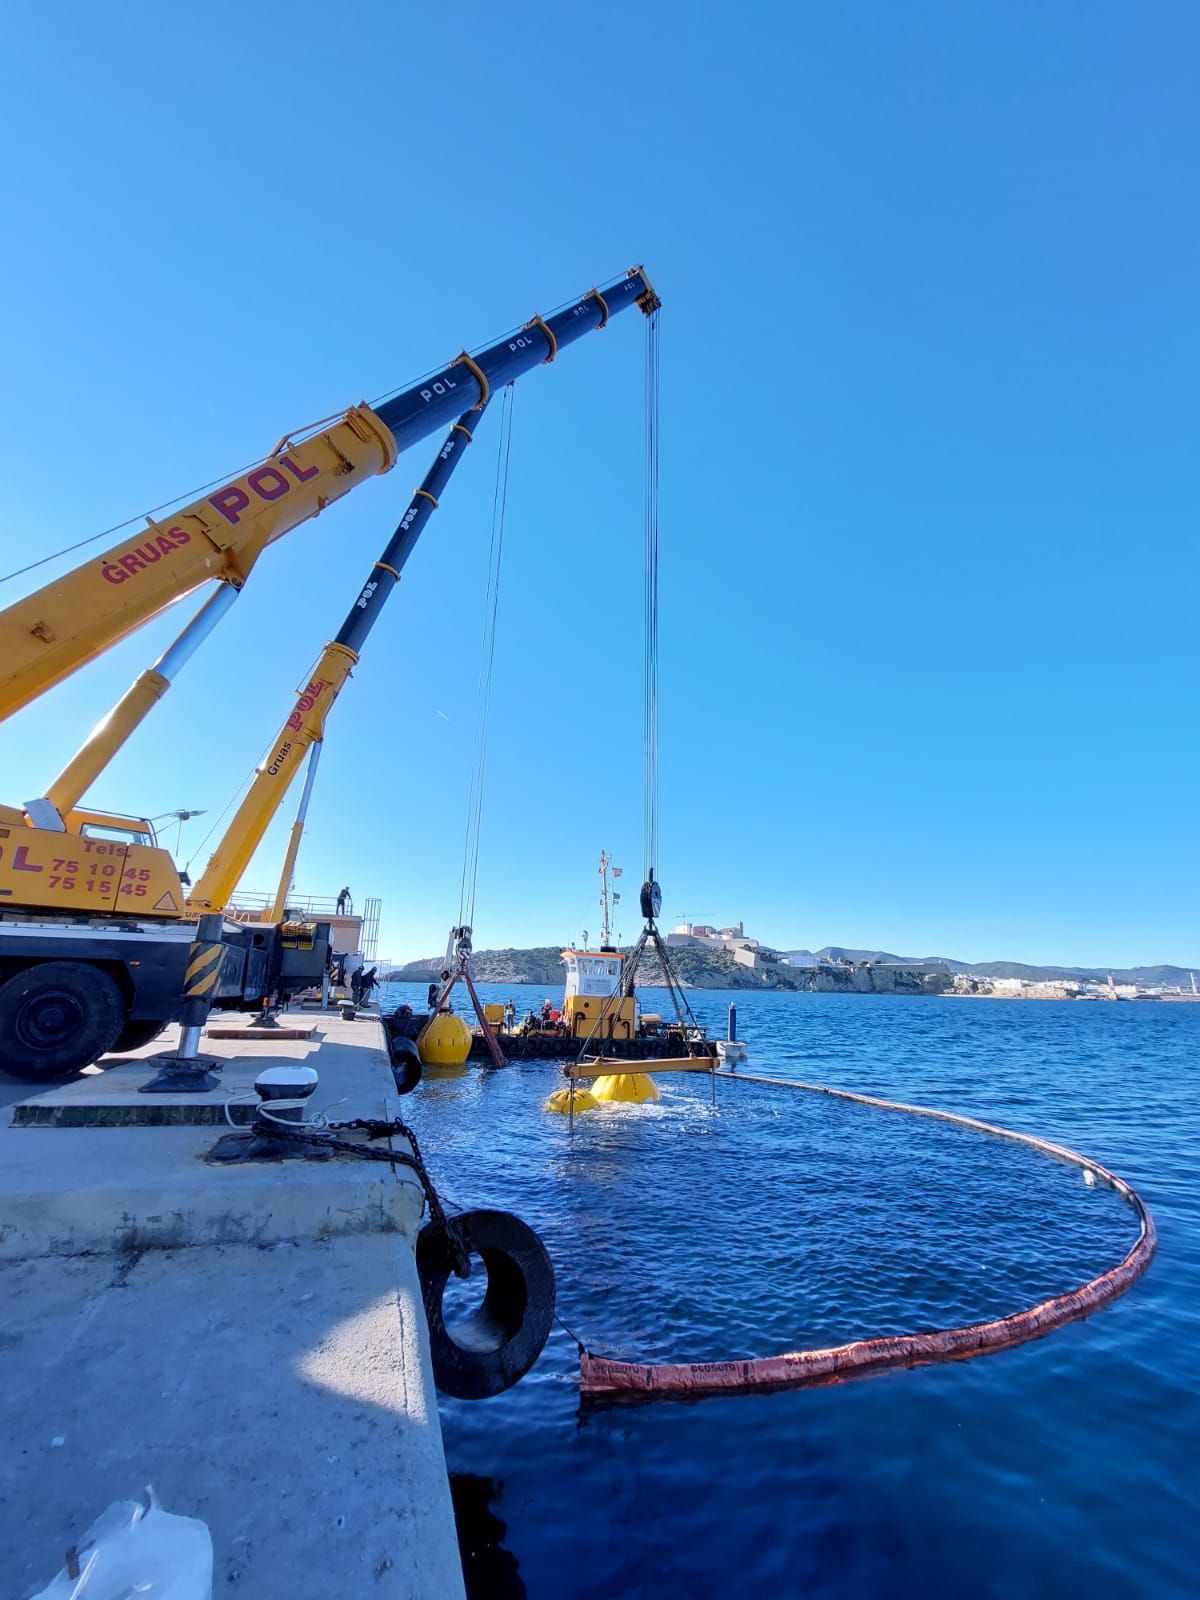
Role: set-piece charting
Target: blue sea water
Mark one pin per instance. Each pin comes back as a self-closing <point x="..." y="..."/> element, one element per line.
<point x="779" y="1220"/>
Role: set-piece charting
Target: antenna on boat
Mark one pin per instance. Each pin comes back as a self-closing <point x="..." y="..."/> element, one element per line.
<point x="608" y="899"/>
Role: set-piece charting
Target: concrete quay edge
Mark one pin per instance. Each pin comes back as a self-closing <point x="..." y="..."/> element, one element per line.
<point x="105" y="1190"/>
<point x="249" y="1339"/>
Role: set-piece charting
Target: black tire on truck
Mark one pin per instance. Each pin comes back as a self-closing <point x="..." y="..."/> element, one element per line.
<point x="134" y="1035"/>
<point x="57" y="1017"/>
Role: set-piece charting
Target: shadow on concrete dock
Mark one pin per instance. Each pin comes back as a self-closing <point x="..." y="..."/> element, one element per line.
<point x="249" y="1340"/>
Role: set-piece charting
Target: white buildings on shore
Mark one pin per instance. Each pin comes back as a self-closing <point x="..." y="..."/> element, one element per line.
<point x="744" y="951"/>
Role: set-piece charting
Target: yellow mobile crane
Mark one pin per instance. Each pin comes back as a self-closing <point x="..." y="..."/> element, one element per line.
<point x="52" y="632"/>
<point x="53" y="1006"/>
<point x="305" y="726"/>
<point x="94" y="923"/>
<point x="48" y="635"/>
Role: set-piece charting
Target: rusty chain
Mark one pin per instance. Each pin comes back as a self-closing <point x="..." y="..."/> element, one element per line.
<point x="379" y="1128"/>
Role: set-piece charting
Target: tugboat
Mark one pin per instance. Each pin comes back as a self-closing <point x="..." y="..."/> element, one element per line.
<point x="595" y="1015"/>
<point x="681" y="1046"/>
<point x="594" y="977"/>
<point x="600" y="1011"/>
<point x="590" y="996"/>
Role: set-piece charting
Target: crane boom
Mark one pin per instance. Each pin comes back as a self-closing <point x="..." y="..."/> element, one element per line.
<point x="52" y="632"/>
<point x="306" y="725"/>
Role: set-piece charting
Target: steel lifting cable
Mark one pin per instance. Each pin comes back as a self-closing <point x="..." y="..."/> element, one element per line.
<point x="650" y="715"/>
<point x="191" y="494"/>
<point x="650" y="700"/>
<point x="650" y="712"/>
<point x="117" y="527"/>
<point x="487" y="656"/>
<point x="683" y="1010"/>
<point x="235" y="796"/>
<point x="228" y="807"/>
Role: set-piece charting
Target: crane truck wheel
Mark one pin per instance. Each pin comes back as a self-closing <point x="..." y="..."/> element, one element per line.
<point x="57" y="1017"/>
<point x="134" y="1035"/>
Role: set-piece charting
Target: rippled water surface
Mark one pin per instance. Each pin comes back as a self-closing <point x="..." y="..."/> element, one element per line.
<point x="778" y="1220"/>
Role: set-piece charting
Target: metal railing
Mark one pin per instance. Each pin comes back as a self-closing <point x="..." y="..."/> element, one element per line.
<point x="250" y="907"/>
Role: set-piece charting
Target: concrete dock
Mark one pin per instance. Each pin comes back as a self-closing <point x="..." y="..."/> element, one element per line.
<point x="248" y="1339"/>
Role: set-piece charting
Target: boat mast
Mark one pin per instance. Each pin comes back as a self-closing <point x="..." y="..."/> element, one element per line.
<point x="605" y="929"/>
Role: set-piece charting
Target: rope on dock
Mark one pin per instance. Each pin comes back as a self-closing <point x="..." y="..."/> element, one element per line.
<point x="600" y="1378"/>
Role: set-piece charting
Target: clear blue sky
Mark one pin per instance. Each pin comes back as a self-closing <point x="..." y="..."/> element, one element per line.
<point x="930" y="487"/>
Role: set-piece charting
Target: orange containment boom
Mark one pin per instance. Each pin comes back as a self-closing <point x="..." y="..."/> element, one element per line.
<point x="601" y="1378"/>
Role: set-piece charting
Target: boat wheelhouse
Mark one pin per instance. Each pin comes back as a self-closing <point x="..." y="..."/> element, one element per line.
<point x="591" y="1000"/>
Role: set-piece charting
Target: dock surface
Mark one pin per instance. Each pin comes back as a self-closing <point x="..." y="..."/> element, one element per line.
<point x="248" y="1339"/>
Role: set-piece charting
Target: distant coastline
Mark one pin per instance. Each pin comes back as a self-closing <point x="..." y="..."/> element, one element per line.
<point x="836" y="969"/>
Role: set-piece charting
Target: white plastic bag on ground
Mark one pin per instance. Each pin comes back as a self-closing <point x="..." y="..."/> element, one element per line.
<point x="135" y="1550"/>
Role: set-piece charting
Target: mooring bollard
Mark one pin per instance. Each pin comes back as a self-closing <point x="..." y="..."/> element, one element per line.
<point x="730" y="1049"/>
<point x="185" y="1070"/>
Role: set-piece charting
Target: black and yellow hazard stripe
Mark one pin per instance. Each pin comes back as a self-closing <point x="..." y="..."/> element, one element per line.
<point x="203" y="970"/>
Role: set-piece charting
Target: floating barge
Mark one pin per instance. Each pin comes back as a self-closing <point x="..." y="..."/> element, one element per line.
<point x="596" y="1015"/>
<point x="556" y="1044"/>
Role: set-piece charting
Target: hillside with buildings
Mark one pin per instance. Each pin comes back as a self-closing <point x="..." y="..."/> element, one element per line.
<point x="706" y="958"/>
<point x="710" y="957"/>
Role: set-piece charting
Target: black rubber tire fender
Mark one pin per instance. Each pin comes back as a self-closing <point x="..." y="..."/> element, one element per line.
<point x="406" y="1063"/>
<point x="57" y="1017"/>
<point x="493" y="1349"/>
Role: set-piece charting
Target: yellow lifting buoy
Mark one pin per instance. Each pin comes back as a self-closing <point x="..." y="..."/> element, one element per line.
<point x="560" y="1101"/>
<point x="626" y="1088"/>
<point x="445" y="1041"/>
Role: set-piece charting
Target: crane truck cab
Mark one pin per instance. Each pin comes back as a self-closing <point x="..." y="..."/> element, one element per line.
<point x="95" y="861"/>
<point x="94" y="943"/>
<point x="112" y="825"/>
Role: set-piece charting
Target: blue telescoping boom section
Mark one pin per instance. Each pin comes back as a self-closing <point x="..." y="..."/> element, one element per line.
<point x="419" y="410"/>
<point x="386" y="572"/>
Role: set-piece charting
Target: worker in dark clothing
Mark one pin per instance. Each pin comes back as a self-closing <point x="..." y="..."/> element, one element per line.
<point x="344" y="903"/>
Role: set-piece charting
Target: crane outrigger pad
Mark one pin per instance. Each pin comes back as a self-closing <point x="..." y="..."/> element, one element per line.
<point x="248" y="1030"/>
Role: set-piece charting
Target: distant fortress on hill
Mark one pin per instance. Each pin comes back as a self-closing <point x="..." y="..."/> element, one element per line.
<point x="827" y="971"/>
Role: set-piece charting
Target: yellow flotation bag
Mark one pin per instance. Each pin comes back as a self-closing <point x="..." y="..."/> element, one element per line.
<point x="560" y="1101"/>
<point x="445" y="1041"/>
<point x="626" y="1088"/>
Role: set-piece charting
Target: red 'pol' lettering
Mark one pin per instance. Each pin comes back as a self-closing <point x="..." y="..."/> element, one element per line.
<point x="267" y="483"/>
<point x="305" y="703"/>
